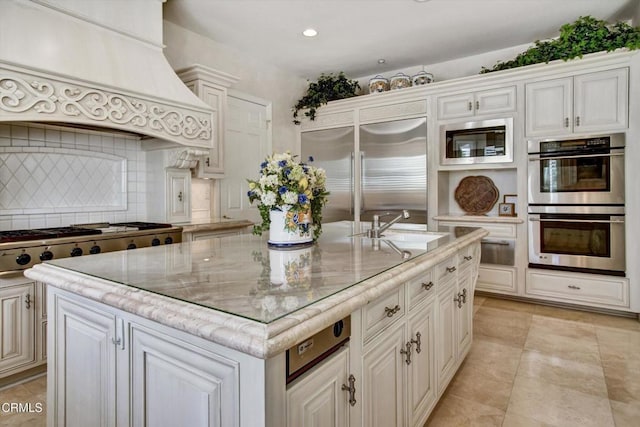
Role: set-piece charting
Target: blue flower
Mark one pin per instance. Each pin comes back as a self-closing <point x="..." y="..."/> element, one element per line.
<point x="263" y="165"/>
<point x="305" y="168"/>
<point x="250" y="193"/>
<point x="282" y="163"/>
<point x="302" y="199"/>
<point x="311" y="158"/>
<point x="282" y="189"/>
<point x="287" y="172"/>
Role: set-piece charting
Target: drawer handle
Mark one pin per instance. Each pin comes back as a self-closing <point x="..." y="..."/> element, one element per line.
<point x="427" y="286"/>
<point x="27" y="301"/>
<point x="573" y="287"/>
<point x="407" y="353"/>
<point x="351" y="388"/>
<point x="451" y="269"/>
<point x="468" y="258"/>
<point x="417" y="342"/>
<point x="391" y="311"/>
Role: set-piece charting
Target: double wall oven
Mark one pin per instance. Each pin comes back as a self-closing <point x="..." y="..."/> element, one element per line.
<point x="576" y="204"/>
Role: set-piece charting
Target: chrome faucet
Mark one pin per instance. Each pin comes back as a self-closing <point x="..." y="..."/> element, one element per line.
<point x="377" y="230"/>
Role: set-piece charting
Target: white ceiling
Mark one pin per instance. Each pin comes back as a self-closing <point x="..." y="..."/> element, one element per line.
<point x="354" y="34"/>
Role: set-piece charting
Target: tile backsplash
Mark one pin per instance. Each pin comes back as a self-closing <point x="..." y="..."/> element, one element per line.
<point x="52" y="176"/>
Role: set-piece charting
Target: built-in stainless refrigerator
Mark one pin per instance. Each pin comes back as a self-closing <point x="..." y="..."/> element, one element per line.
<point x="380" y="168"/>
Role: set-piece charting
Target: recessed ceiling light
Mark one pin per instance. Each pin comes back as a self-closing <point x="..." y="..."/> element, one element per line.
<point x="381" y="61"/>
<point x="309" y="32"/>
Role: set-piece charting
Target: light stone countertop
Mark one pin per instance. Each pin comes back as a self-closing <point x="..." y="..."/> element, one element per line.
<point x="240" y="293"/>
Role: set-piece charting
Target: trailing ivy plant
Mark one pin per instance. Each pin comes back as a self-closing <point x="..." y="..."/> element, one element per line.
<point x="329" y="87"/>
<point x="586" y="35"/>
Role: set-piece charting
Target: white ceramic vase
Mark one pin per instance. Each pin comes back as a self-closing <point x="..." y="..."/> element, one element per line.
<point x="290" y="228"/>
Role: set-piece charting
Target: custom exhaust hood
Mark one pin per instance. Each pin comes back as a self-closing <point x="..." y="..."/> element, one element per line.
<point x="95" y="64"/>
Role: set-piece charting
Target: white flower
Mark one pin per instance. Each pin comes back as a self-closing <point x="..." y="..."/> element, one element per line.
<point x="268" y="198"/>
<point x="290" y="198"/>
<point x="268" y="181"/>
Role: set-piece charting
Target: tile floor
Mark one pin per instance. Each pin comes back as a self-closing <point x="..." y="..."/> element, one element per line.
<point x="529" y="366"/>
<point x="539" y="366"/>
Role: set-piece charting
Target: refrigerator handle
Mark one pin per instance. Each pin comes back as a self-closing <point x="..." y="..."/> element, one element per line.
<point x="361" y="193"/>
<point x="351" y="187"/>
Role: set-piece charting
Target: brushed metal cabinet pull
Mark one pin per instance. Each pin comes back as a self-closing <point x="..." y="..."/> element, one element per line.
<point x="470" y="106"/>
<point x="351" y="388"/>
<point x="417" y="342"/>
<point x="391" y="311"/>
<point x="566" y="122"/>
<point x="578" y="121"/>
<point x="451" y="269"/>
<point x="27" y="301"/>
<point x="427" y="286"/>
<point x="463" y="295"/>
<point x="458" y="299"/>
<point x="180" y="196"/>
<point x="573" y="287"/>
<point x="407" y="353"/>
<point x="208" y="162"/>
<point x="468" y="258"/>
<point x="477" y="105"/>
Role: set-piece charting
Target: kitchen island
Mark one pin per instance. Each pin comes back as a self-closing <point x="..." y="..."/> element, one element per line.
<point x="196" y="333"/>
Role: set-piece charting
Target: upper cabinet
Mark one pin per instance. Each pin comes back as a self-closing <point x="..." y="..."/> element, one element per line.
<point x="582" y="103"/>
<point x="477" y="103"/>
<point x="210" y="86"/>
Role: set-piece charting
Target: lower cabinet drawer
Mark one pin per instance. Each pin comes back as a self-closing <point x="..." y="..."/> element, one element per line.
<point x="500" y="279"/>
<point x="421" y="288"/>
<point x="446" y="269"/>
<point x="581" y="288"/>
<point x="378" y="314"/>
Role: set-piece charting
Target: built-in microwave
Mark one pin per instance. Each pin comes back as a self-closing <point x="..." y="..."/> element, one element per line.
<point x="482" y="141"/>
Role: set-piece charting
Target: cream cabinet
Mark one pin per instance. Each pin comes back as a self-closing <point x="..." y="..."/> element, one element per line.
<point x="319" y="398"/>
<point x="178" y="195"/>
<point x="471" y="104"/>
<point x="583" y="103"/>
<point x="17" y="317"/>
<point x="139" y="375"/>
<point x="211" y="87"/>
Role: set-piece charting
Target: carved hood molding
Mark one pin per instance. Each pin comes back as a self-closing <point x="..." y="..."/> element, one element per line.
<point x="62" y="66"/>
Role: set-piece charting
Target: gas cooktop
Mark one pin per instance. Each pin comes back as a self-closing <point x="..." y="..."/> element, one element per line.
<point x="74" y="230"/>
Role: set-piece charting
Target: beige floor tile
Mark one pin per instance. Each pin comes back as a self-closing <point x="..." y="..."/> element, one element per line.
<point x="23" y="420"/>
<point x="618" y="322"/>
<point x="478" y="300"/>
<point x="481" y="386"/>
<point x="562" y="313"/>
<point x="505" y="304"/>
<point x="515" y="420"/>
<point x="455" y="412"/>
<point x="501" y="326"/>
<point x="561" y="406"/>
<point x="626" y="414"/>
<point x="583" y="377"/>
<point x="498" y="359"/>
<point x="37" y="386"/>
<point x="564" y="339"/>
<point x="618" y="343"/>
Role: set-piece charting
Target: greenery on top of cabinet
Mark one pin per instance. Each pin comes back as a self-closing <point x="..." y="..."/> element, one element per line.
<point x="586" y="35"/>
<point x="329" y="87"/>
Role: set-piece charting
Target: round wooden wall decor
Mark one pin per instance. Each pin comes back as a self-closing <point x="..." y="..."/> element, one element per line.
<point x="476" y="195"/>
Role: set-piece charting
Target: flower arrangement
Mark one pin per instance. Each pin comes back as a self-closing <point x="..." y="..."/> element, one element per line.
<point x="287" y="184"/>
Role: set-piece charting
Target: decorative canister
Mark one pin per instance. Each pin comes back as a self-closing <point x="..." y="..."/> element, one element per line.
<point x="290" y="227"/>
<point x="422" y="78"/>
<point x="399" y="81"/>
<point x="378" y="84"/>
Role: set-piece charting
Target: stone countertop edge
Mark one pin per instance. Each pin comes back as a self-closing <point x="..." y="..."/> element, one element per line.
<point x="254" y="338"/>
<point x="215" y="226"/>
<point x="480" y="219"/>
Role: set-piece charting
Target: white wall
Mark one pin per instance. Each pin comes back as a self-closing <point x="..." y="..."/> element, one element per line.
<point x="16" y="138"/>
<point x="185" y="48"/>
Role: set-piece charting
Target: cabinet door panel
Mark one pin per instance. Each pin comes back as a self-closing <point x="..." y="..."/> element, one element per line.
<point x="421" y="378"/>
<point x="178" y="195"/>
<point x="317" y="399"/>
<point x="446" y="341"/>
<point x="465" y="313"/>
<point x="496" y="100"/>
<point x="383" y="382"/>
<point x="177" y="384"/>
<point x="549" y="107"/>
<point x="17" y="340"/>
<point x="454" y="106"/>
<point x="86" y="392"/>
<point x="601" y="101"/>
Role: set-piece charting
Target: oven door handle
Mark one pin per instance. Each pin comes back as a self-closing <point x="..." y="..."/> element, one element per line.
<point x="599" y="221"/>
<point x="538" y="158"/>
